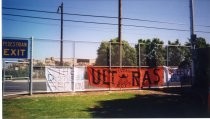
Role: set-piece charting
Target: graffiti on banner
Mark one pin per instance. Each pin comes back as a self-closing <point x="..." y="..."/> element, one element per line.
<point x="79" y="78"/>
<point x="125" y="77"/>
<point x="175" y="74"/>
<point x="58" y="79"/>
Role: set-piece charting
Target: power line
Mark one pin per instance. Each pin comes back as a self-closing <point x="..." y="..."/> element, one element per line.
<point x="202" y="31"/>
<point x="45" y="18"/>
<point x="30" y="22"/>
<point x="101" y="16"/>
<point x="157" y="28"/>
<point x="87" y="28"/>
<point x="30" y="10"/>
<point x="88" y="15"/>
<point x="75" y="26"/>
<point x="202" y="25"/>
<point x="100" y="23"/>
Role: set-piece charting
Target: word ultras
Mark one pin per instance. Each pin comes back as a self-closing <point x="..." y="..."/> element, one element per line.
<point x="125" y="77"/>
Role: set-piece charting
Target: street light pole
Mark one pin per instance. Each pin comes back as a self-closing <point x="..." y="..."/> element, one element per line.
<point x="192" y="37"/>
<point x="119" y="30"/>
<point x="61" y="42"/>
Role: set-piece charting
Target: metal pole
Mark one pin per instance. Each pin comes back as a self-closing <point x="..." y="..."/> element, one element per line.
<point x="110" y="63"/>
<point x="139" y="55"/>
<point x="31" y="67"/>
<point x="61" y="42"/>
<point x="73" y="69"/>
<point x="191" y="17"/>
<point x="193" y="37"/>
<point x="167" y="68"/>
<point x="119" y="30"/>
<point x="74" y="43"/>
<point x="139" y="63"/>
<point x="110" y="54"/>
<point x="3" y="82"/>
<point x="167" y="58"/>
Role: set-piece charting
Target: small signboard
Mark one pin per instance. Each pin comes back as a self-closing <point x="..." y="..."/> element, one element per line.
<point x="12" y="48"/>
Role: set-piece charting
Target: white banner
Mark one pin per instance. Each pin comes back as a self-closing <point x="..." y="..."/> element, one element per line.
<point x="79" y="78"/>
<point x="58" y="79"/>
<point x="63" y="79"/>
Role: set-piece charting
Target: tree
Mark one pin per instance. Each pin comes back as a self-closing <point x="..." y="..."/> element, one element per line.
<point x="177" y="53"/>
<point x="17" y="70"/>
<point x="199" y="43"/>
<point x="151" y="52"/>
<point x="128" y="54"/>
<point x="141" y="46"/>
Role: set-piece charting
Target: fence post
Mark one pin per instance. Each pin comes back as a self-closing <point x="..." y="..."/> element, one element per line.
<point x="31" y="67"/>
<point x="167" y="68"/>
<point x="110" y="63"/>
<point x="110" y="54"/>
<point x="167" y="56"/>
<point x="3" y="81"/>
<point x="74" y="43"/>
<point x="73" y="69"/>
<point x="139" y="63"/>
<point x="139" y="55"/>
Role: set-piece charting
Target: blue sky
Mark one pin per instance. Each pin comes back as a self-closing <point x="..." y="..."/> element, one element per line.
<point x="173" y="11"/>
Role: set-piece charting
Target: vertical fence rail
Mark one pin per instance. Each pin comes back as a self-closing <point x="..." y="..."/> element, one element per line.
<point x="167" y="56"/>
<point x="73" y="81"/>
<point x="139" y="58"/>
<point x="3" y="79"/>
<point x="31" y="67"/>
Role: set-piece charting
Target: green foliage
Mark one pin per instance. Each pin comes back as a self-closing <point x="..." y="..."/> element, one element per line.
<point x="152" y="52"/>
<point x="199" y="43"/>
<point x="177" y="53"/>
<point x="128" y="54"/>
<point x="102" y="54"/>
<point x="17" y="71"/>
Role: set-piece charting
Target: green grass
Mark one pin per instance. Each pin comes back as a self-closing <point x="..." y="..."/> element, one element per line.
<point x="57" y="106"/>
<point x="119" y="104"/>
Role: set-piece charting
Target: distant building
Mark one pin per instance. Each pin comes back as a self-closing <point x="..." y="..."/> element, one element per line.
<point x="68" y="61"/>
<point x="85" y="62"/>
<point x="49" y="61"/>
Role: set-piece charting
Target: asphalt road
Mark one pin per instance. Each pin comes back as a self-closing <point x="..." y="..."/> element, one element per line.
<point x="22" y="86"/>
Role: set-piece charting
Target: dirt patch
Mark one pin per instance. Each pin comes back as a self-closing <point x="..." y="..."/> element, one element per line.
<point x="170" y="91"/>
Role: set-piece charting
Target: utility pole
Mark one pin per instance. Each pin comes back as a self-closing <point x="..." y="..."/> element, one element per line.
<point x="119" y="30"/>
<point x="61" y="42"/>
<point x="192" y="37"/>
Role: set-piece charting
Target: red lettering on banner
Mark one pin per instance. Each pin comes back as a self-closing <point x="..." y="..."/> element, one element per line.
<point x="125" y="77"/>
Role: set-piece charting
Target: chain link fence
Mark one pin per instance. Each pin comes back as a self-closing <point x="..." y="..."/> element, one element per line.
<point x="46" y="52"/>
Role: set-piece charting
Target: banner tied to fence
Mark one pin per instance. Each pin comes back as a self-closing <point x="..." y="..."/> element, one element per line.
<point x="173" y="75"/>
<point x="79" y="78"/>
<point x="125" y="77"/>
<point x="63" y="79"/>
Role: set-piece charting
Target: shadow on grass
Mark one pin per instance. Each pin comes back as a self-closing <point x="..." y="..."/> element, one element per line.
<point x="151" y="106"/>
